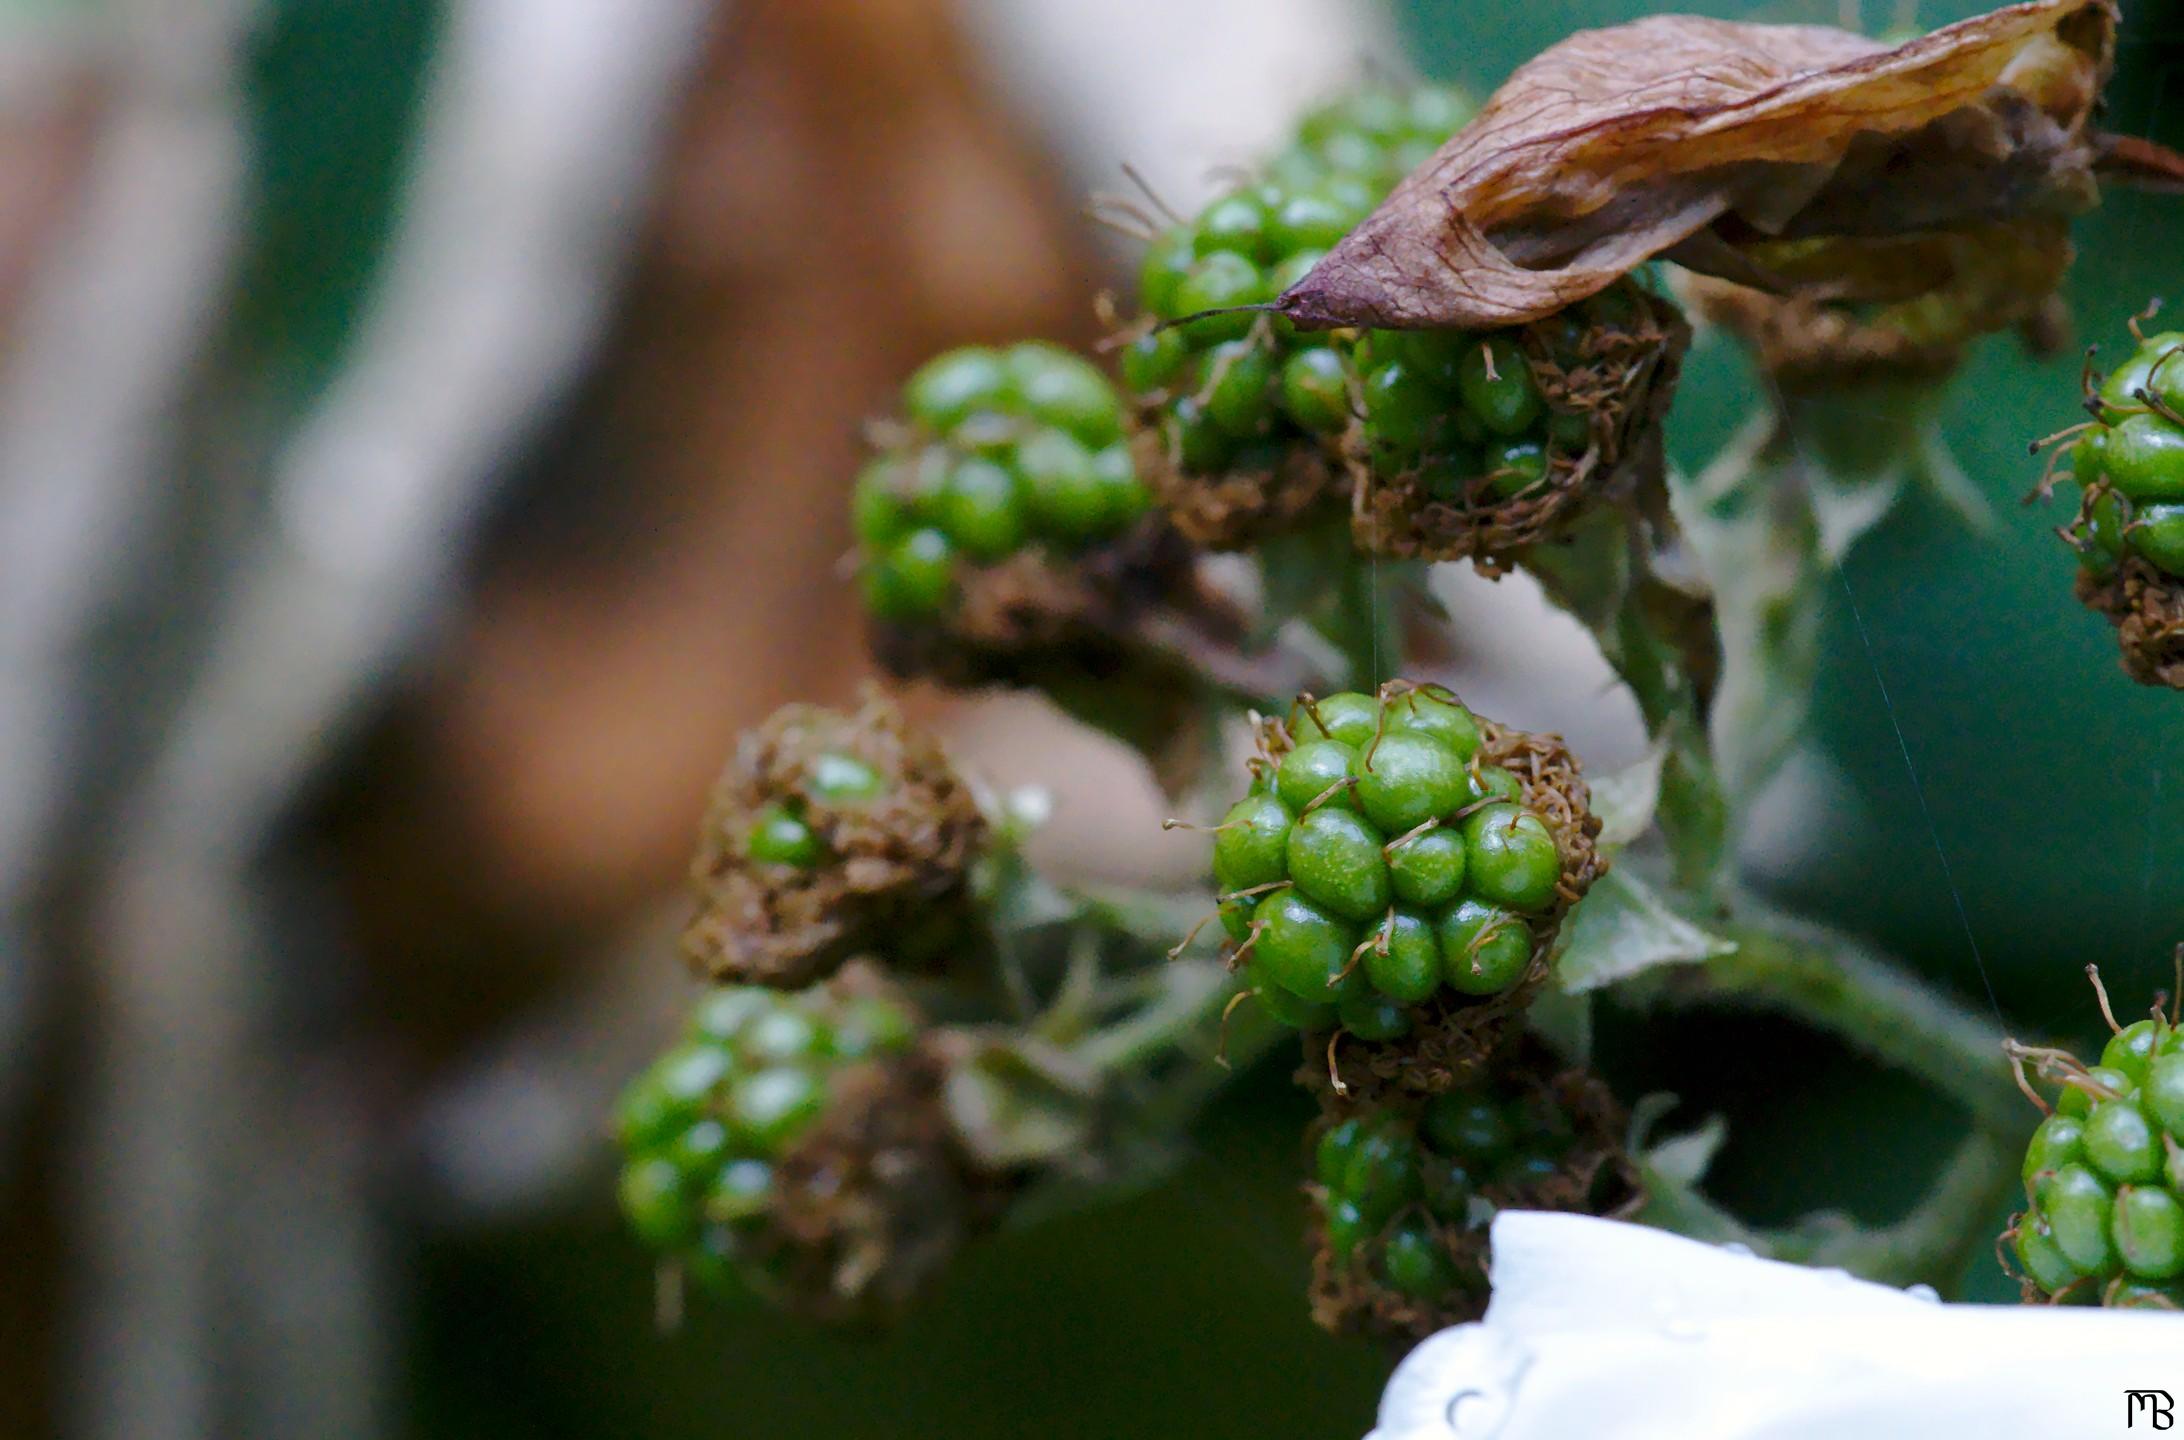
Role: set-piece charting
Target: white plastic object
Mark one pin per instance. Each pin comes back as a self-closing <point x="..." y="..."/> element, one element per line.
<point x="1599" y="1328"/>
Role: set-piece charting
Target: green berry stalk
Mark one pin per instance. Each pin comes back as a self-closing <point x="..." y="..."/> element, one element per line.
<point x="1403" y="1190"/>
<point x="794" y="1144"/>
<point x="2104" y="1174"/>
<point x="2128" y="461"/>
<point x="1394" y="881"/>
<point x="829" y="834"/>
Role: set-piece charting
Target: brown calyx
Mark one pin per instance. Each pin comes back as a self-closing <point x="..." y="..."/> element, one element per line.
<point x="1231" y="509"/>
<point x="872" y="1204"/>
<point x="1619" y="378"/>
<point x="1038" y="612"/>
<point x="895" y="865"/>
<point x="2146" y="605"/>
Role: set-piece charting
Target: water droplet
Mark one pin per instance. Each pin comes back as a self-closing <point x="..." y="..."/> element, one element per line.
<point x="1924" y="1292"/>
<point x="1474" y="1415"/>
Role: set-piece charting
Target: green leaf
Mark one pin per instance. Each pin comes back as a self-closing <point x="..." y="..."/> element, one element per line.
<point x="1021" y="1103"/>
<point x="1683" y="1159"/>
<point x="1565" y="1022"/>
<point x="1625" y="800"/>
<point x="1624" y="928"/>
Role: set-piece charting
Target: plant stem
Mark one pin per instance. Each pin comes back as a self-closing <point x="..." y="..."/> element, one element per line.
<point x="1659" y="640"/>
<point x="1833" y="982"/>
<point x="1932" y="1243"/>
<point x="1363" y="624"/>
<point x="1935" y="1241"/>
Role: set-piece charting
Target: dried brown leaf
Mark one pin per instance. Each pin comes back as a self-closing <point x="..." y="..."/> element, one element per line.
<point x="1705" y="139"/>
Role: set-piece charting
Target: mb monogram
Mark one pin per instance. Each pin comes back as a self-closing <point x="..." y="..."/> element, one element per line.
<point x="2155" y="1406"/>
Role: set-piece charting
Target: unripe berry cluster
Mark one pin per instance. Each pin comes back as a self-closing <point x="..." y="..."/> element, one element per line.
<point x="1236" y="396"/>
<point x="1402" y="1196"/>
<point x="785" y="1141"/>
<point x="1453" y="445"/>
<point x="1001" y="452"/>
<point x="2129" y="462"/>
<point x="1389" y="871"/>
<point x="1468" y="446"/>
<point x="829" y="833"/>
<point x="2104" y="1175"/>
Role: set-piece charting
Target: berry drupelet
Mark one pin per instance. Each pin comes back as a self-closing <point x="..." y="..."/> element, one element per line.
<point x="2129" y="534"/>
<point x="2104" y="1173"/>
<point x="1396" y="875"/>
<point x="827" y="834"/>
<point x="794" y="1144"/>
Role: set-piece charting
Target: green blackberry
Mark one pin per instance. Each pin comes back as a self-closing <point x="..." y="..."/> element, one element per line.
<point x="1006" y="539"/>
<point x="1472" y="446"/>
<point x="2104" y="1172"/>
<point x="1002" y="458"/>
<point x="2129" y="534"/>
<point x="1235" y="413"/>
<point x="828" y="834"/>
<point x="794" y="1144"/>
<point x="1397" y="874"/>
<point x="1402" y="1194"/>
<point x="1003" y="512"/>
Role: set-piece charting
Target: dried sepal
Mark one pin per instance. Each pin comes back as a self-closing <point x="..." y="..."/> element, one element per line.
<point x="894" y="866"/>
<point x="1035" y="612"/>
<point x="1923" y="299"/>
<point x="1705" y="139"/>
<point x="873" y="1204"/>
<point x="2146" y="605"/>
<point x="1236" y="507"/>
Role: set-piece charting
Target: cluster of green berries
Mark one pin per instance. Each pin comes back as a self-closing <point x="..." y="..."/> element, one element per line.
<point x="2104" y="1173"/>
<point x="2130" y="461"/>
<point x="829" y="834"/>
<point x="1004" y="451"/>
<point x="1398" y="1194"/>
<point x="1232" y="389"/>
<point x="704" y="1132"/>
<point x="1379" y="861"/>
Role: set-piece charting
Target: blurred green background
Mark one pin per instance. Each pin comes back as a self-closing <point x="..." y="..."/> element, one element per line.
<point x="1180" y="1312"/>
